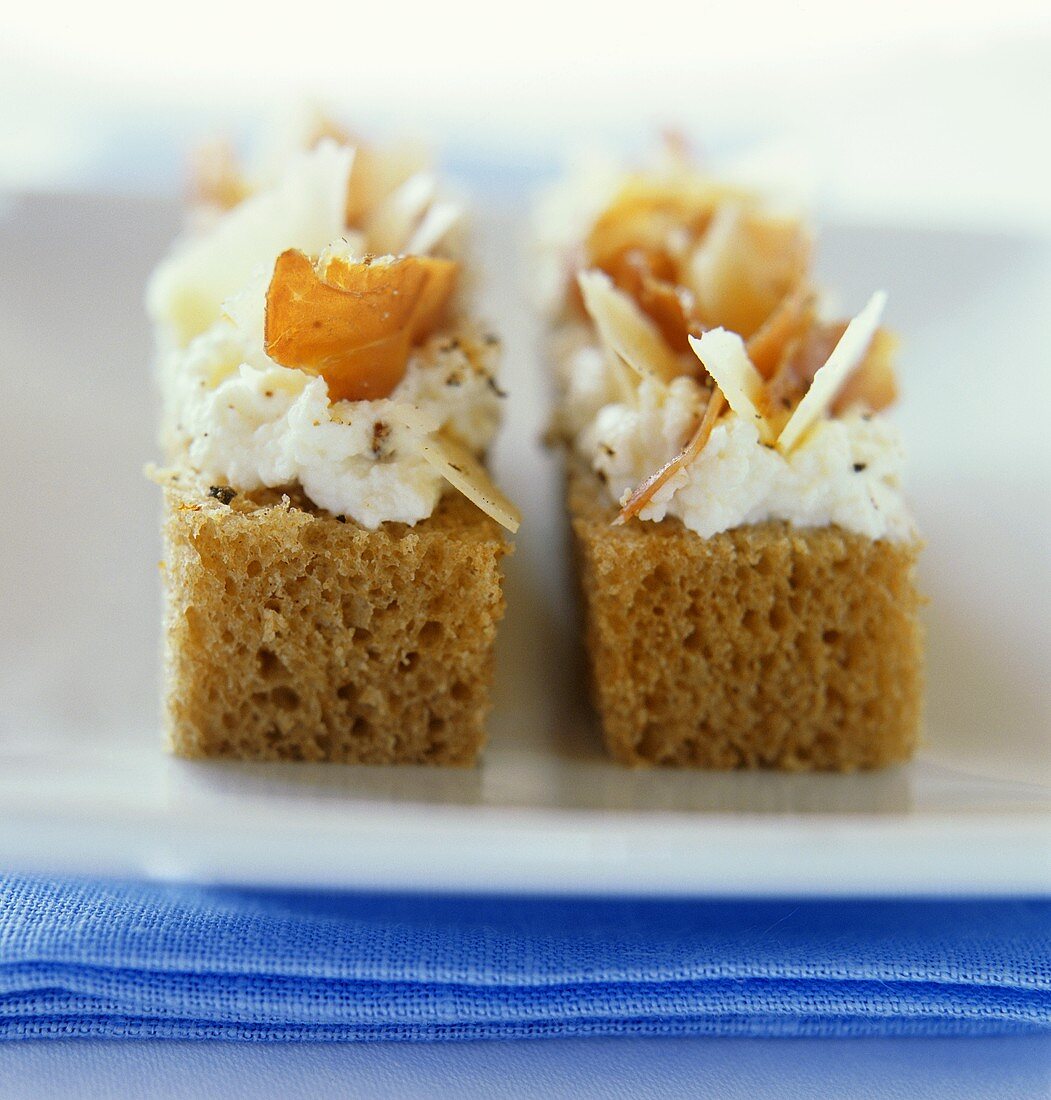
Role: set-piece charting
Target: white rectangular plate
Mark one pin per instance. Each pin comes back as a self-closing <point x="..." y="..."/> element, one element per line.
<point x="85" y="786"/>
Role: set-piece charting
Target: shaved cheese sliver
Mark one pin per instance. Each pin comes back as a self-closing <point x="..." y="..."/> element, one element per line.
<point x="303" y="210"/>
<point x="845" y="358"/>
<point x="624" y="379"/>
<point x="434" y="227"/>
<point x="464" y="472"/>
<point x="625" y="329"/>
<point x="726" y="360"/>
<point x="744" y="265"/>
<point x="399" y="215"/>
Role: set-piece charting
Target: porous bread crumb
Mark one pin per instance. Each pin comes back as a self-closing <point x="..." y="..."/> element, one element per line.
<point x="762" y="646"/>
<point x="294" y="634"/>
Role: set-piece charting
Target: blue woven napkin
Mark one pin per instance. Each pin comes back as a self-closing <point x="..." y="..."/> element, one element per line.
<point x="150" y="961"/>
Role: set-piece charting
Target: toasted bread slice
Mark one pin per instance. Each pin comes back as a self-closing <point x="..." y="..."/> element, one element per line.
<point x="295" y="635"/>
<point x="762" y="646"/>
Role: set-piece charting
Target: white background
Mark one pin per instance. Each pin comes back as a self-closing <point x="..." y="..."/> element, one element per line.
<point x="931" y="108"/>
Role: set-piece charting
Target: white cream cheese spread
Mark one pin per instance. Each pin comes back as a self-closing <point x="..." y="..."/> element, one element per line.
<point x="236" y="416"/>
<point x="847" y="471"/>
<point x="240" y="419"/>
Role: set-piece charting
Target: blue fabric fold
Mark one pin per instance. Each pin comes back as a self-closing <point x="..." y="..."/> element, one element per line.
<point x="107" y="959"/>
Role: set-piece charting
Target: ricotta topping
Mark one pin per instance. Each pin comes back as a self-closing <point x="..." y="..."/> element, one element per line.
<point x="847" y="471"/>
<point x="238" y="417"/>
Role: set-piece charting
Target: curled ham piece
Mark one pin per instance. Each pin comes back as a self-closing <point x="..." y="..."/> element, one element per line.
<point x="646" y="213"/>
<point x="784" y="327"/>
<point x="354" y="324"/>
<point x="694" y="256"/>
<point x="743" y="267"/>
<point x="651" y="278"/>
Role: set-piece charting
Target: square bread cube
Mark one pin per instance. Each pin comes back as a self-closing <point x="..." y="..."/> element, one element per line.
<point x="764" y="646"/>
<point x="293" y="635"/>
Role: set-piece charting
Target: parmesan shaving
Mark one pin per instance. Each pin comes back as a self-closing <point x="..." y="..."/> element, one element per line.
<point x="624" y="328"/>
<point x="304" y="210"/>
<point x="399" y="215"/>
<point x="624" y="379"/>
<point x="726" y="360"/>
<point x="845" y="358"/>
<point x="433" y="228"/>
<point x="465" y="473"/>
<point x="714" y="253"/>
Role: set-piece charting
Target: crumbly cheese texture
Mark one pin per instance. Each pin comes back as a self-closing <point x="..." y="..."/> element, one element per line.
<point x="846" y="471"/>
<point x="238" y="418"/>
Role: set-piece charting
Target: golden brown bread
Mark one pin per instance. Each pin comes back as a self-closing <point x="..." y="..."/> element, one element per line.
<point x="292" y="635"/>
<point x="764" y="646"/>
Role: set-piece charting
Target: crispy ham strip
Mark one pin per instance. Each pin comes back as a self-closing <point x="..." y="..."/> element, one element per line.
<point x="623" y="327"/>
<point x="847" y="355"/>
<point x="354" y="323"/>
<point x="744" y="266"/>
<point x="465" y="473"/>
<point x="646" y="211"/>
<point x="788" y="323"/>
<point x="726" y="360"/>
<point x="649" y="488"/>
<point x="651" y="280"/>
